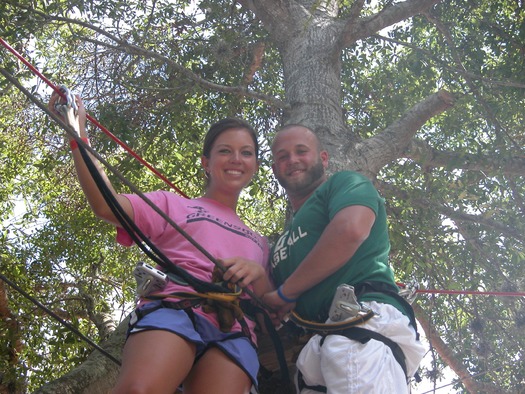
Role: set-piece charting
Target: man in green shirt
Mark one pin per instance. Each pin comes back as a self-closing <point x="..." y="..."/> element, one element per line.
<point x="339" y="235"/>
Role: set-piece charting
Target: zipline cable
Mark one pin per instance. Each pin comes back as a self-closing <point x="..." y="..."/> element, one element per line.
<point x="93" y="120"/>
<point x="57" y="318"/>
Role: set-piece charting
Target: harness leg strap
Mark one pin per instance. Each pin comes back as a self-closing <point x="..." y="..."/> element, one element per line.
<point x="363" y="335"/>
<point x="301" y="384"/>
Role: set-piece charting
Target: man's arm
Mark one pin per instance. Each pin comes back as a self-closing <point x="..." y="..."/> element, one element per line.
<point x="349" y="228"/>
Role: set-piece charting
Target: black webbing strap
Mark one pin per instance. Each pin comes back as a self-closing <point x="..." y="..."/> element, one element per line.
<point x="392" y="291"/>
<point x="185" y="305"/>
<point x="363" y="335"/>
<point x="274" y="336"/>
<point x="301" y="384"/>
<point x="140" y="238"/>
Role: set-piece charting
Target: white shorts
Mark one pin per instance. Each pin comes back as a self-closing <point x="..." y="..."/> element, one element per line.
<point x="346" y="366"/>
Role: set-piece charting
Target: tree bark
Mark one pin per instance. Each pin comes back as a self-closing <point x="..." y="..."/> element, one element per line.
<point x="13" y="346"/>
<point x="97" y="374"/>
<point x="310" y="40"/>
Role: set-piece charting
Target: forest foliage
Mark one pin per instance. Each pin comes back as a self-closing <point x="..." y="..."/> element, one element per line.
<point x="158" y="73"/>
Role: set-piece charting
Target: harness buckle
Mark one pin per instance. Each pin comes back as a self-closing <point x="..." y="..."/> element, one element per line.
<point x="149" y="279"/>
<point x="344" y="304"/>
<point x="409" y="291"/>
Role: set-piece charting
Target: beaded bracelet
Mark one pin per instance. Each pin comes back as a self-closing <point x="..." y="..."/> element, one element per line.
<point x="74" y="144"/>
<point x="283" y="297"/>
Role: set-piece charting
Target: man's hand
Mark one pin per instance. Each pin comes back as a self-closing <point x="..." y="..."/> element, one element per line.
<point x="279" y="307"/>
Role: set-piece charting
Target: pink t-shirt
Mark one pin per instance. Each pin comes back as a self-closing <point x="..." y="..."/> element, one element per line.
<point x="214" y="226"/>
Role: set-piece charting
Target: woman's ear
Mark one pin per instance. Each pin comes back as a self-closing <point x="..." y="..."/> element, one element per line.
<point x="204" y="163"/>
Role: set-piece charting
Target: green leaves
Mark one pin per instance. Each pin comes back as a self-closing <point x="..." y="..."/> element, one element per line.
<point x="158" y="74"/>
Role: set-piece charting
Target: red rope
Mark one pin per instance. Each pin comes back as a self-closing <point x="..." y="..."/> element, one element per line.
<point x="472" y="292"/>
<point x="93" y="120"/>
<point x="494" y="293"/>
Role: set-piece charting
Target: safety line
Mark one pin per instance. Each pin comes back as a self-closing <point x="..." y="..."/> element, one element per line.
<point x="57" y="318"/>
<point x="93" y="120"/>
<point x="472" y="292"/>
<point x="469" y="292"/>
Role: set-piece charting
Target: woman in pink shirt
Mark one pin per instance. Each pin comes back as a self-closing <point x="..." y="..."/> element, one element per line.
<point x="168" y="348"/>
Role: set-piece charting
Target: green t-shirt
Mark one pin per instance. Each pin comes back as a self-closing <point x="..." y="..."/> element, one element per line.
<point x="370" y="261"/>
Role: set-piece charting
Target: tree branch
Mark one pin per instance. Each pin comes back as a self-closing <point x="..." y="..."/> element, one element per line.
<point x="280" y="18"/>
<point x="443" y="350"/>
<point x="448" y="356"/>
<point x="355" y="10"/>
<point x="457" y="56"/>
<point x="132" y="49"/>
<point x="425" y="155"/>
<point x="354" y="30"/>
<point x="97" y="374"/>
<point x="424" y="203"/>
<point x="446" y="65"/>
<point x="393" y="141"/>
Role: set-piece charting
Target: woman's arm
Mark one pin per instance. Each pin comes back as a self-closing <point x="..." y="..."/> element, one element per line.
<point x="95" y="199"/>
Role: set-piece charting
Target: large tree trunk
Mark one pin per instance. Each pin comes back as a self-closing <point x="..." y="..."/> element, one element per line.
<point x="310" y="37"/>
<point x="97" y="374"/>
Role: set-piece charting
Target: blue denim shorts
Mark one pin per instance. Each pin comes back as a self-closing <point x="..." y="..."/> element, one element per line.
<point x="203" y="334"/>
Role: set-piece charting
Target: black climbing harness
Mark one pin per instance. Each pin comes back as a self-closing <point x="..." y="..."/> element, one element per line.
<point x="350" y="327"/>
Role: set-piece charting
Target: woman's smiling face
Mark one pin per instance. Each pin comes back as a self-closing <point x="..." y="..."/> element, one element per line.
<point x="232" y="161"/>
